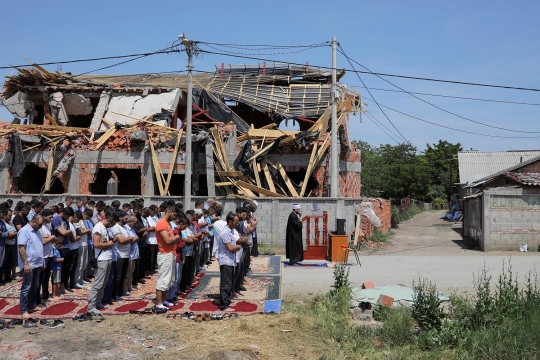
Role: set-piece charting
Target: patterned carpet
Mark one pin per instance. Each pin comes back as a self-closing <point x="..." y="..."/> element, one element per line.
<point x="263" y="283"/>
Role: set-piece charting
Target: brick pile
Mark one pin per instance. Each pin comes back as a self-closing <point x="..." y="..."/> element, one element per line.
<point x="383" y="209"/>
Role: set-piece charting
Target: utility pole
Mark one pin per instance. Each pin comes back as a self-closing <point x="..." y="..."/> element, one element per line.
<point x="334" y="178"/>
<point x="188" y="44"/>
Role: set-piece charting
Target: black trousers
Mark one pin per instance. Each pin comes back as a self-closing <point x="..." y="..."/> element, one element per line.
<point x="10" y="260"/>
<point x="152" y="257"/>
<point x="240" y="271"/>
<point x="225" y="286"/>
<point x="122" y="265"/>
<point x="143" y="262"/>
<point x="255" y="247"/>
<point x="45" y="277"/>
<point x="69" y="267"/>
<point x="89" y="271"/>
<point x="187" y="274"/>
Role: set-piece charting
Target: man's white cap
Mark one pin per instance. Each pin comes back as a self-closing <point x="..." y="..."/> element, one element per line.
<point x="255" y="203"/>
<point x="295" y="206"/>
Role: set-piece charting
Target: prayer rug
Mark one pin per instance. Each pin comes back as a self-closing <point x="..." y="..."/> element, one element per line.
<point x="263" y="283"/>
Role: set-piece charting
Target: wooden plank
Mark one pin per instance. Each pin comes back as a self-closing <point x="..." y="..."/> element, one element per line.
<point x="103" y="139"/>
<point x="310" y="165"/>
<point x="157" y="169"/>
<point x="325" y="118"/>
<point x="49" y="170"/>
<point x="226" y="183"/>
<point x="107" y="122"/>
<point x="288" y="182"/>
<point x="115" y="180"/>
<point x="257" y="179"/>
<point x="243" y="189"/>
<point x="357" y="232"/>
<point x="266" y="172"/>
<point x="51" y="119"/>
<point x="228" y="173"/>
<point x="258" y="189"/>
<point x="173" y="161"/>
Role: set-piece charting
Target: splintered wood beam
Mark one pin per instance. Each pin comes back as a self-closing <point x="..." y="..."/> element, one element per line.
<point x="257" y="179"/>
<point x="115" y="180"/>
<point x="49" y="170"/>
<point x="245" y="185"/>
<point x="266" y="172"/>
<point x="157" y="169"/>
<point x="173" y="161"/>
<point x="228" y="173"/>
<point x="288" y="182"/>
<point x="51" y="119"/>
<point x="310" y="165"/>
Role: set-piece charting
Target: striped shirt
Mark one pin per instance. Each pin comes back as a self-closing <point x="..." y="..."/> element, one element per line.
<point x="224" y="256"/>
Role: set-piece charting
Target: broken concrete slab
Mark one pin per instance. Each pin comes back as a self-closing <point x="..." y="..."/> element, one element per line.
<point x="57" y="108"/>
<point x="18" y="104"/>
<point x="101" y="109"/>
<point x="77" y="104"/>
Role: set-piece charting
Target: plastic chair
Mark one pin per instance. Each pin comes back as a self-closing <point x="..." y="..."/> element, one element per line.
<point x="346" y="250"/>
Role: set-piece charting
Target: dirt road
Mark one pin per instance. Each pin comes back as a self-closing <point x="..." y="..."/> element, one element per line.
<point x="424" y="246"/>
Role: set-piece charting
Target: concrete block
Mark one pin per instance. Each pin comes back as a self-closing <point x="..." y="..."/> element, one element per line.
<point x="362" y="315"/>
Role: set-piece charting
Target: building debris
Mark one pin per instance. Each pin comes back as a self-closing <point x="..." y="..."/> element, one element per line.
<point x="237" y="111"/>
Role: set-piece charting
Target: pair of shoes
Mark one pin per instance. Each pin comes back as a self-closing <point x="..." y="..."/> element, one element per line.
<point x="199" y="318"/>
<point x="56" y="324"/>
<point x="77" y="286"/>
<point x="206" y="317"/>
<point x="167" y="303"/>
<point x="216" y="317"/>
<point x="364" y="305"/>
<point x="96" y="316"/>
<point x="159" y="310"/>
<point x="29" y="323"/>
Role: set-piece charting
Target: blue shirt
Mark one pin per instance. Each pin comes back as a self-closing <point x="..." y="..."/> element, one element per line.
<point x="59" y="223"/>
<point x="33" y="242"/>
<point x="209" y="221"/>
<point x="224" y="256"/>
<point x="56" y="255"/>
<point x="90" y="225"/>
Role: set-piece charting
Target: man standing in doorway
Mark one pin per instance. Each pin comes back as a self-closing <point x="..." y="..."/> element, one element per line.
<point x="294" y="245"/>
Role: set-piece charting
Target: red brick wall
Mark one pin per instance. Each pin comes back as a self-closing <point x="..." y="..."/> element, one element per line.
<point x="88" y="172"/>
<point x="382" y="209"/>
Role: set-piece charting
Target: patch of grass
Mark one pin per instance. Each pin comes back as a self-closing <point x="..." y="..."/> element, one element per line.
<point x="379" y="237"/>
<point x="399" y="216"/>
<point x="398" y="328"/>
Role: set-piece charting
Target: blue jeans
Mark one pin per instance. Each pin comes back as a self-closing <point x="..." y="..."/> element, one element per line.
<point x="29" y="290"/>
<point x="177" y="275"/>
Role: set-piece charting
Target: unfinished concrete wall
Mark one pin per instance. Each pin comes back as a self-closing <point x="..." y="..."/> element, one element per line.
<point x="511" y="217"/>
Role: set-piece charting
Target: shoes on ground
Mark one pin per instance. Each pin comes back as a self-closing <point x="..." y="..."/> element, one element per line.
<point x="56" y="324"/>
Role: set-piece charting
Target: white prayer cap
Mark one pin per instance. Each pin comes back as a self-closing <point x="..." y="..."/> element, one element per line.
<point x="295" y="206"/>
<point x="198" y="211"/>
<point x="255" y="203"/>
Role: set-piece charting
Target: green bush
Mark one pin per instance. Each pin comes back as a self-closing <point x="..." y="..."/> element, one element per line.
<point x="398" y="328"/>
<point x="439" y="203"/>
<point x="426" y="309"/>
<point x="379" y="237"/>
<point x="341" y="280"/>
<point x="399" y="216"/>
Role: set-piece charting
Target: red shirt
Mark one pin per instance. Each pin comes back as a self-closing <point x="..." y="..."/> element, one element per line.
<point x="163" y="247"/>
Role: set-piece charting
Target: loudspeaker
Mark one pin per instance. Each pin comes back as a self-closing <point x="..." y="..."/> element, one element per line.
<point x="340" y="226"/>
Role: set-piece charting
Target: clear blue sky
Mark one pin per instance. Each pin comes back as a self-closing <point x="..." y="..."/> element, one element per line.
<point x="494" y="42"/>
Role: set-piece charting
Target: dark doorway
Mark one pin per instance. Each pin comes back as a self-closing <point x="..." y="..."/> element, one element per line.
<point x="176" y="187"/>
<point x="33" y="179"/>
<point x="129" y="181"/>
<point x="298" y="177"/>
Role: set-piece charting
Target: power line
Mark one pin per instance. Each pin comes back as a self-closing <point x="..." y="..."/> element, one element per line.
<point x="373" y="73"/>
<point x="277" y="53"/>
<point x="431" y="104"/>
<point x="451" y="128"/>
<point x="374" y="118"/>
<point x="93" y="59"/>
<point x="450" y="96"/>
<point x="379" y="126"/>
<point x="386" y="116"/>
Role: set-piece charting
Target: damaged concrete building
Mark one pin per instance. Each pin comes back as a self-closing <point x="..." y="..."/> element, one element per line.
<point x="76" y="129"/>
<point x="74" y="134"/>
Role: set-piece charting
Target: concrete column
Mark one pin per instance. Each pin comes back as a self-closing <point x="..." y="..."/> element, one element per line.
<point x="74" y="170"/>
<point x="209" y="161"/>
<point x="485" y="244"/>
<point x="149" y="175"/>
<point x="101" y="109"/>
<point x="230" y="148"/>
<point x="276" y="235"/>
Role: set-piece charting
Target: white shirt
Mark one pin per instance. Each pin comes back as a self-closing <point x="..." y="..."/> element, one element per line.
<point x="121" y="249"/>
<point x="151" y="237"/>
<point x="218" y="228"/>
<point x="106" y="254"/>
<point x="241" y="251"/>
<point x="47" y="248"/>
<point x="73" y="245"/>
<point x="84" y="238"/>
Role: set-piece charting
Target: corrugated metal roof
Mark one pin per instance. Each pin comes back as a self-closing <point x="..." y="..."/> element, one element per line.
<point x="526" y="178"/>
<point x="476" y="165"/>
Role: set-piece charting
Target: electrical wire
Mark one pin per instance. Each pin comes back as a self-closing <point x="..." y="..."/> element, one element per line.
<point x="91" y="59"/>
<point x="379" y="126"/>
<point x="373" y="73"/>
<point x="449" y="96"/>
<point x="431" y="104"/>
<point x="386" y="116"/>
<point x="277" y="53"/>
<point x="264" y="47"/>
<point x="451" y="128"/>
